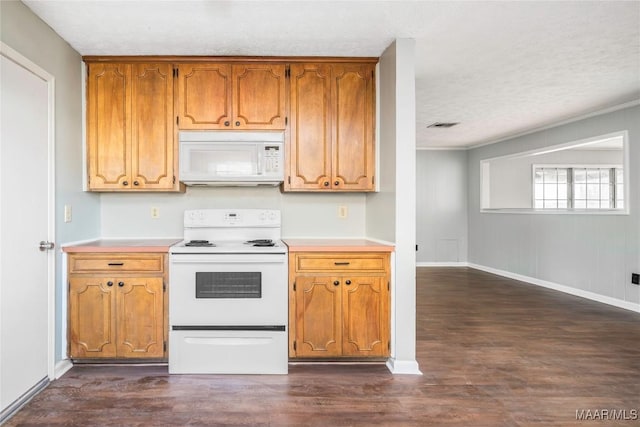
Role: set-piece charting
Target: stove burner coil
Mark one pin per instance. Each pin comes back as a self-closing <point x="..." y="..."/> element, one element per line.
<point x="199" y="243"/>
<point x="261" y="242"/>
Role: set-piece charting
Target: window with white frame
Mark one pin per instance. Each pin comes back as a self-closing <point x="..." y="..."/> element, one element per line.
<point x="578" y="187"/>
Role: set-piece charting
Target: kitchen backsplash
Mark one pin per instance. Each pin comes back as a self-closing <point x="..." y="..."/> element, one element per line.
<point x="303" y="214"/>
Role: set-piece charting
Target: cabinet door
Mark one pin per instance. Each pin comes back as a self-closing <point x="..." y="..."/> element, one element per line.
<point x="310" y="128"/>
<point x="140" y="317"/>
<point x="365" y="304"/>
<point x="152" y="127"/>
<point x="353" y="96"/>
<point x="204" y="96"/>
<point x="92" y="325"/>
<point x="108" y="125"/>
<point x="259" y="96"/>
<point x="318" y="327"/>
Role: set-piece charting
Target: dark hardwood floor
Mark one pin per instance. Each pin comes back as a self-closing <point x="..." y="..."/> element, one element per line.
<point x="494" y="352"/>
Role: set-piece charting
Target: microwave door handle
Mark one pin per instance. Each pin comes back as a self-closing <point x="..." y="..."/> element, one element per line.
<point x="260" y="159"/>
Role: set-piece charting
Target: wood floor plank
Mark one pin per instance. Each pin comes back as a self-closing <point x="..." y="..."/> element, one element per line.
<point x="493" y="352"/>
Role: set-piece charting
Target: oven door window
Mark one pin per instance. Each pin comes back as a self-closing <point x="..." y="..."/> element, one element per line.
<point x="228" y="285"/>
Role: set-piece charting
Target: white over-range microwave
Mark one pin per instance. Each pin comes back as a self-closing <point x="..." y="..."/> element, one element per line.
<point x="231" y="158"/>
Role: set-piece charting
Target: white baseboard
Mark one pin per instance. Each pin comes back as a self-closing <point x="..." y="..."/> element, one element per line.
<point x="15" y="406"/>
<point x="443" y="264"/>
<point x="403" y="367"/>
<point x="62" y="367"/>
<point x="562" y="288"/>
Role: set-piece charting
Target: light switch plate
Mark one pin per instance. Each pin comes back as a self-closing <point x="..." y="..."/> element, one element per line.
<point x="67" y="213"/>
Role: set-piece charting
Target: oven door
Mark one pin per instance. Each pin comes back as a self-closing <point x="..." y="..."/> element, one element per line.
<point x="228" y="290"/>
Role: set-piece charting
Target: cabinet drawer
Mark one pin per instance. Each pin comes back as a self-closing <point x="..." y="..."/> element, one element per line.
<point x="115" y="263"/>
<point x="332" y="263"/>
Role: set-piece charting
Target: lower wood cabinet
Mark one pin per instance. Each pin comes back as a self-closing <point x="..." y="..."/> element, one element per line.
<point x="339" y="305"/>
<point x="117" y="306"/>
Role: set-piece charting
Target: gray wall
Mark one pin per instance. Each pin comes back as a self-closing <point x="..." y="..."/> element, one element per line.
<point x="594" y="253"/>
<point x="303" y="215"/>
<point x="26" y="33"/>
<point x="441" y="198"/>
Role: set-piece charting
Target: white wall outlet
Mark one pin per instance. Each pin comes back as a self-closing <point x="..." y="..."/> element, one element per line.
<point x="67" y="213"/>
<point x="343" y="212"/>
<point x="155" y="213"/>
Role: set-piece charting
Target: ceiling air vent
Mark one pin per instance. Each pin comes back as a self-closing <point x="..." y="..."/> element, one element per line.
<point x="442" y="125"/>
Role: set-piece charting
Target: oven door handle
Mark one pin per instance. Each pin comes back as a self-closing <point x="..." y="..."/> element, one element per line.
<point x="229" y="328"/>
<point x="228" y="259"/>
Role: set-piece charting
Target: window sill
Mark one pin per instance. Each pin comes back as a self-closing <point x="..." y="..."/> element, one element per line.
<point x="557" y="211"/>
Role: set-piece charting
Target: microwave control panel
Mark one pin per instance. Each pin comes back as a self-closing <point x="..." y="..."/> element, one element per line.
<point x="272" y="159"/>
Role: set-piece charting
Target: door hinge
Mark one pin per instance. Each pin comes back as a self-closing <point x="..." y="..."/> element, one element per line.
<point x="164" y="287"/>
<point x="174" y="179"/>
<point x="286" y="121"/>
<point x="373" y="179"/>
<point x="294" y="346"/>
<point x="372" y="75"/>
<point x="294" y="286"/>
<point x="164" y="346"/>
<point x="289" y="179"/>
<point x="175" y="72"/>
<point x="287" y="72"/>
<point x="389" y="345"/>
<point x="388" y="286"/>
<point x="177" y="120"/>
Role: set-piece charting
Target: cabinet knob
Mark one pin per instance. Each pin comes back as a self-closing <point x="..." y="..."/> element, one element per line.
<point x="227" y="123"/>
<point x="109" y="283"/>
<point x="348" y="282"/>
<point x="121" y="284"/>
<point x="237" y="123"/>
<point x="125" y="183"/>
<point x="336" y="283"/>
<point x="136" y="183"/>
<point x="326" y="183"/>
<point x="336" y="183"/>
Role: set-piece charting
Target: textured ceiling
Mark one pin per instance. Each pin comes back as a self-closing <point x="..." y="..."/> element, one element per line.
<point x="498" y="68"/>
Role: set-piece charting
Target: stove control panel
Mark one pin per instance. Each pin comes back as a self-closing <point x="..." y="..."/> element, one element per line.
<point x="232" y="218"/>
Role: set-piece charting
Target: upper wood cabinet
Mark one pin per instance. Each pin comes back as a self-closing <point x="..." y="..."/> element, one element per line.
<point x="231" y="96"/>
<point x="130" y="132"/>
<point x="332" y="109"/>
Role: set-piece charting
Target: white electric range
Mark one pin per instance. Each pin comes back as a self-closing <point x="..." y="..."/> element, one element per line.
<point x="228" y="303"/>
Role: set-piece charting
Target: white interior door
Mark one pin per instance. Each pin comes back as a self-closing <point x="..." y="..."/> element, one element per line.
<point x="26" y="218"/>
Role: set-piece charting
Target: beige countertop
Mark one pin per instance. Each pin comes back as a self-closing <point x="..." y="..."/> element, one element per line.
<point x="123" y="245"/>
<point x="336" y="245"/>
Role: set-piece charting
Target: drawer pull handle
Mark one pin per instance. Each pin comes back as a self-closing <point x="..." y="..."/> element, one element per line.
<point x="342" y="263"/>
<point x="109" y="283"/>
<point x="115" y="264"/>
<point x="121" y="284"/>
<point x="336" y="283"/>
<point x="348" y="282"/>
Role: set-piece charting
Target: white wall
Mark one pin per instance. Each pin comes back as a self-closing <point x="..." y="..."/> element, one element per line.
<point x="26" y="33"/>
<point x="303" y="215"/>
<point x="591" y="254"/>
<point x="441" y="198"/>
<point x="511" y="177"/>
<point x="391" y="213"/>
